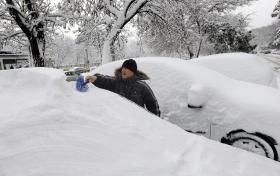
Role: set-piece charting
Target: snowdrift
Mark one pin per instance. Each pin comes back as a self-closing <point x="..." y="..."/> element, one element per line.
<point x="48" y="128"/>
<point x="240" y="66"/>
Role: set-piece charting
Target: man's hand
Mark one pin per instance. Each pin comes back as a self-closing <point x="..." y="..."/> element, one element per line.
<point x="90" y="79"/>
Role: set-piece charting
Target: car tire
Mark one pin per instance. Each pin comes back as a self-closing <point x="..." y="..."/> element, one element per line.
<point x="251" y="142"/>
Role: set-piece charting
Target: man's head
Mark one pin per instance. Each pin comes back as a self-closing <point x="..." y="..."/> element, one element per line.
<point x="129" y="68"/>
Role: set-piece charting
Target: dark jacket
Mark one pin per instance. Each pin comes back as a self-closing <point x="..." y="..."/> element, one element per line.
<point x="134" y="89"/>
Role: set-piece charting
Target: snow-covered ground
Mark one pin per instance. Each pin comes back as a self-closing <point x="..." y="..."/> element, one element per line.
<point x="48" y="128"/>
<point x="274" y="61"/>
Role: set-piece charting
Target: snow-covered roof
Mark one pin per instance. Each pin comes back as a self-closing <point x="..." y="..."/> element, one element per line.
<point x="14" y="56"/>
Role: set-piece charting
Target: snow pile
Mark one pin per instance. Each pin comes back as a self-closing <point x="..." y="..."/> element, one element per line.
<point x="48" y="128"/>
<point x="227" y="103"/>
<point x="240" y="66"/>
<point x="197" y="95"/>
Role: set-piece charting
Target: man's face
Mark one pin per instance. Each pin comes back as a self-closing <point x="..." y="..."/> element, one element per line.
<point x="126" y="73"/>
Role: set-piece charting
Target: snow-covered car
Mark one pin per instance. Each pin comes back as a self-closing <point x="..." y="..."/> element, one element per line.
<point x="79" y="70"/>
<point x="205" y="102"/>
<point x="49" y="128"/>
<point x="275" y="51"/>
<point x="92" y="68"/>
<point x="265" y="51"/>
<point x="69" y="73"/>
<point x="74" y="72"/>
<point x="241" y="66"/>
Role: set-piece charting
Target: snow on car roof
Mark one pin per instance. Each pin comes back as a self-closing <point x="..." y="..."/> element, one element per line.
<point x="240" y="66"/>
<point x="48" y="128"/>
<point x="77" y="69"/>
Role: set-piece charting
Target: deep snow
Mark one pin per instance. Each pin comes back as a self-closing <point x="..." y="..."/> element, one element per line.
<point x="241" y="66"/>
<point x="48" y="128"/>
<point x="227" y="104"/>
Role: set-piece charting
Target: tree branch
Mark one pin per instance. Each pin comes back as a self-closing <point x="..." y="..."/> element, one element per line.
<point x="133" y="11"/>
<point x="127" y="6"/>
<point x="20" y="21"/>
<point x="111" y="8"/>
<point x="153" y="13"/>
<point x="9" y="6"/>
<point x="12" y="35"/>
<point x="214" y="6"/>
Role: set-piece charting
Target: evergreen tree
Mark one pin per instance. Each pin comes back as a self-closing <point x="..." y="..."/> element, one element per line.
<point x="227" y="38"/>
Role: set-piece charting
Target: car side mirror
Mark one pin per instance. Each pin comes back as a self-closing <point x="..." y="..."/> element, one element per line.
<point x="197" y="96"/>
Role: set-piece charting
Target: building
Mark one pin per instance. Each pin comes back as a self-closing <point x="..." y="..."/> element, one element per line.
<point x="9" y="60"/>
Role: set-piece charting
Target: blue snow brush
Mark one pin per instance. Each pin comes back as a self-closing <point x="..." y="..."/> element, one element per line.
<point x="81" y="85"/>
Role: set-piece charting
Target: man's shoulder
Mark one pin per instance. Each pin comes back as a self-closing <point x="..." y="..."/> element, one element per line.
<point x="143" y="84"/>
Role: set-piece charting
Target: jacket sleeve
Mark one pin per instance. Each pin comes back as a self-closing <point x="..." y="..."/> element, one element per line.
<point x="150" y="101"/>
<point x="105" y="82"/>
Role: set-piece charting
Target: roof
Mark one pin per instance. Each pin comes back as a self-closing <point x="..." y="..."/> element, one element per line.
<point x="5" y="55"/>
<point x="6" y="52"/>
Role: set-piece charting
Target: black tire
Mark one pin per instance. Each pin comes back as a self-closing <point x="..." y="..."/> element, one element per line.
<point x="252" y="143"/>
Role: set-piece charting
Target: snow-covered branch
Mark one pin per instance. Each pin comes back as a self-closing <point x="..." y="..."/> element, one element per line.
<point x="133" y="10"/>
<point x="11" y="6"/>
<point x="6" y="37"/>
<point x="150" y="12"/>
<point x="127" y="5"/>
<point x="276" y="10"/>
<point x="111" y="8"/>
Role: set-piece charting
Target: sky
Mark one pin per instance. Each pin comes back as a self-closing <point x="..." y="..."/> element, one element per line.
<point x="260" y="12"/>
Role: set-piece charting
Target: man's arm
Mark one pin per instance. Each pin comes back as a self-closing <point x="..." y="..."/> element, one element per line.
<point x="90" y="79"/>
<point x="101" y="81"/>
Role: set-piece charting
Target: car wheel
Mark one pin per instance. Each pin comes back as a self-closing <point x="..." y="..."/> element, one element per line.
<point x="252" y="143"/>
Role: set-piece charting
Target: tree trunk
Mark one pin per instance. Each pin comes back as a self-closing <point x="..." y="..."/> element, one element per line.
<point x="35" y="51"/>
<point x="201" y="39"/>
<point x="190" y="52"/>
<point x="106" y="52"/>
<point x="199" y="47"/>
<point x="108" y="46"/>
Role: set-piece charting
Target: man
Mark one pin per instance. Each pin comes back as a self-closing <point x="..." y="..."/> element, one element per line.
<point x="128" y="82"/>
